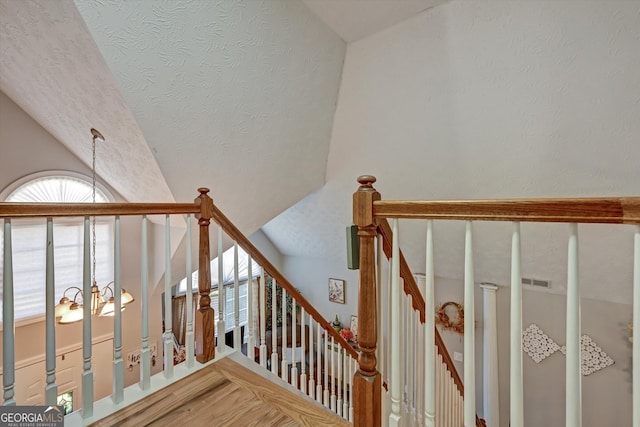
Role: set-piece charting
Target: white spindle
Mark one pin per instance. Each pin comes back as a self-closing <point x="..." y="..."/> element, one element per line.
<point x="294" y="346"/>
<point x="168" y="316"/>
<point x="87" y="372"/>
<point x="118" y="363"/>
<point x="429" y="334"/>
<point x="573" y="374"/>
<point x="332" y="354"/>
<point x="395" y="419"/>
<point x="469" y="331"/>
<point x="274" y="324"/>
<point x="237" y="340"/>
<point x="145" y="355"/>
<point x="251" y="340"/>
<point x="516" y="385"/>
<point x="312" y="380"/>
<point x="190" y="338"/>
<point x="338" y="380"/>
<point x="345" y="383"/>
<point x="8" y="335"/>
<point x="636" y="328"/>
<point x="319" y="364"/>
<point x="327" y="349"/>
<point x="418" y="363"/>
<point x="303" y="363"/>
<point x="221" y="293"/>
<point x="410" y="341"/>
<point x="352" y="368"/>
<point x="262" y="307"/>
<point x="380" y="301"/>
<point x="51" y="389"/>
<point x="285" y="371"/>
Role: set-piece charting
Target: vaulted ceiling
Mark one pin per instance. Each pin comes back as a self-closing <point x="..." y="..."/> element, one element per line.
<point x="241" y="96"/>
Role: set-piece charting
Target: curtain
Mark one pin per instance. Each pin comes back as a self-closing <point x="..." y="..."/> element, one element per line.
<point x="179" y="312"/>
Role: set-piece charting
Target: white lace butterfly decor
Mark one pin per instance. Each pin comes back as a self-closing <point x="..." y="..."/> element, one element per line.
<point x="537" y="344"/>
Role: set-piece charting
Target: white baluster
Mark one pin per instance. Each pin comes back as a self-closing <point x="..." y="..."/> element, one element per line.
<point x="118" y="364"/>
<point x="403" y="354"/>
<point x="395" y="419"/>
<point x="222" y="328"/>
<point x="326" y="369"/>
<point x="87" y="372"/>
<point x="294" y="345"/>
<point x="380" y="356"/>
<point x="352" y="368"/>
<point x="285" y="365"/>
<point x="345" y="384"/>
<point x="168" y="316"/>
<point x="410" y="340"/>
<point x="516" y="385"/>
<point x="338" y="380"/>
<point x="573" y="371"/>
<point x="263" y="320"/>
<point x="8" y="335"/>
<point x="332" y="354"/>
<point x="189" y="337"/>
<point x="319" y="364"/>
<point x="51" y="389"/>
<point x="636" y="328"/>
<point x="429" y="334"/>
<point x="469" y="332"/>
<point x="237" y="340"/>
<point x="274" y="324"/>
<point x="312" y="381"/>
<point x="419" y="368"/>
<point x="145" y="355"/>
<point x="251" y="340"/>
<point x="303" y="362"/>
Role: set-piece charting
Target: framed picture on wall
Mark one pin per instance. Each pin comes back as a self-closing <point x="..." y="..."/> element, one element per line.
<point x="336" y="291"/>
<point x="354" y="327"/>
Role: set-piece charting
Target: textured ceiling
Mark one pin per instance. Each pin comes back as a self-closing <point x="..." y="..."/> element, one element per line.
<point x="237" y="96"/>
<point x="50" y="66"/>
<point x="355" y="19"/>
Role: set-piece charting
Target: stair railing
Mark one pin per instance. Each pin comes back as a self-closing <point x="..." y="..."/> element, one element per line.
<point x="200" y="341"/>
<point x="302" y="348"/>
<point x="369" y="213"/>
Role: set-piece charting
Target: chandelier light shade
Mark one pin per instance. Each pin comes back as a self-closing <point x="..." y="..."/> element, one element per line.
<point x="71" y="310"/>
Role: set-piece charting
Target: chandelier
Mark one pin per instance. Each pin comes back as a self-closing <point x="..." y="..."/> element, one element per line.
<point x="71" y="310"/>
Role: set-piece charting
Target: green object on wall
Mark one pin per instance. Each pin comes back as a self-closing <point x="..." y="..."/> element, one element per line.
<point x="353" y="248"/>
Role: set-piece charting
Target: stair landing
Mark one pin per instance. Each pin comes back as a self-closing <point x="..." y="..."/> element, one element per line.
<point x="229" y="392"/>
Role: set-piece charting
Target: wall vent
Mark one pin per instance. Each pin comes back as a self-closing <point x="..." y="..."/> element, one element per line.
<point x="536" y="282"/>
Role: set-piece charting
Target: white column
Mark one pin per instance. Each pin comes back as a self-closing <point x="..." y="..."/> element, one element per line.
<point x="490" y="356"/>
<point x="573" y="371"/>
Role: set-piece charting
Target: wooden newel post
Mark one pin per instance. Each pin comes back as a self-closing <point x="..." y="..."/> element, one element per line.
<point x="205" y="338"/>
<point x="367" y="381"/>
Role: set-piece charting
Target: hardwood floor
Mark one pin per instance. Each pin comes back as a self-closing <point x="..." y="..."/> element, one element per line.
<point x="227" y="393"/>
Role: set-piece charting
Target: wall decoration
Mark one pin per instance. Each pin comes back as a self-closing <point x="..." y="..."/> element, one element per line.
<point x="593" y="358"/>
<point x="451" y="317"/>
<point x="354" y="327"/>
<point x="539" y="346"/>
<point x="336" y="291"/>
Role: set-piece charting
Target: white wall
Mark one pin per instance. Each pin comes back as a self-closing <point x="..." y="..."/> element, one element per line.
<point x="311" y="276"/>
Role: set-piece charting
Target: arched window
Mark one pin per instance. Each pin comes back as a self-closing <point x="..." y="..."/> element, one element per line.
<point x="29" y="240"/>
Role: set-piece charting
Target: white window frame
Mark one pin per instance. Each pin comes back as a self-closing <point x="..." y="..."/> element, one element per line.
<point x="104" y="227"/>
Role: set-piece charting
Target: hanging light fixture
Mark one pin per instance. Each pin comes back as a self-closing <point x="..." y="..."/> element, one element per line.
<point x="70" y="311"/>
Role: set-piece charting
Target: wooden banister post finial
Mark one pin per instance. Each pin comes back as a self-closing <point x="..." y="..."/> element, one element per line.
<point x="367" y="381"/>
<point x="205" y="324"/>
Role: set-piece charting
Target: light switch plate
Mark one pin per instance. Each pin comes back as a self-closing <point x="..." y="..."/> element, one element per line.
<point x="457" y="356"/>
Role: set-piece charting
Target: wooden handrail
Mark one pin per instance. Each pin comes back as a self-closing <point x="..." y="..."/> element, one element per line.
<point x="41" y="210"/>
<point x="235" y="234"/>
<point x="410" y="285"/>
<point x="612" y="210"/>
